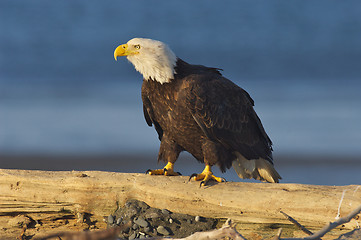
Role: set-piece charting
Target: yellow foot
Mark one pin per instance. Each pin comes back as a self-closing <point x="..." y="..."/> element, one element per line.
<point x="205" y="176"/>
<point x="166" y="171"/>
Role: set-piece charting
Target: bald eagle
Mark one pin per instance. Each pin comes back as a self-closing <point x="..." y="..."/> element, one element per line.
<point x="194" y="108"/>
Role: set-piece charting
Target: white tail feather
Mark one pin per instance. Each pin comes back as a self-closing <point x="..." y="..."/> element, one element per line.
<point x="259" y="169"/>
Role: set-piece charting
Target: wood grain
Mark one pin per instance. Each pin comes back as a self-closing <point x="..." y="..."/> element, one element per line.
<point x="48" y="195"/>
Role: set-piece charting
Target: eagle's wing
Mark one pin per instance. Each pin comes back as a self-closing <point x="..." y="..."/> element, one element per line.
<point x="149" y="115"/>
<point x="225" y="113"/>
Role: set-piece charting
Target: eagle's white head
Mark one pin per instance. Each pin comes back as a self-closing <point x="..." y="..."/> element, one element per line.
<point x="153" y="59"/>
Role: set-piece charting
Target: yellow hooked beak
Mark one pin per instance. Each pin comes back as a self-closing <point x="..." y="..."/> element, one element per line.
<point x="121" y="50"/>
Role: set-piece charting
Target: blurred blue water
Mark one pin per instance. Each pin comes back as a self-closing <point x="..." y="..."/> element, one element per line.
<point x="302" y="118"/>
<point x="62" y="92"/>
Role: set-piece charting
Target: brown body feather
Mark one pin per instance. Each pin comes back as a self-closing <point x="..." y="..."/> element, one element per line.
<point x="209" y="116"/>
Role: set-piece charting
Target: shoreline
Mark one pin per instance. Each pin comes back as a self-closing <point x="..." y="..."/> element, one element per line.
<point x="319" y="170"/>
<point x="41" y="160"/>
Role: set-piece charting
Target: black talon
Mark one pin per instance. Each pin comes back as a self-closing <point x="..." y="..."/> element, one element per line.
<point x="147" y="172"/>
<point x="179" y="173"/>
<point x="193" y="175"/>
<point x="165" y="170"/>
<point x="224" y="180"/>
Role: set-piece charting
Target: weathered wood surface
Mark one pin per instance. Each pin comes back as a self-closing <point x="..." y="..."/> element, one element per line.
<point x="48" y="195"/>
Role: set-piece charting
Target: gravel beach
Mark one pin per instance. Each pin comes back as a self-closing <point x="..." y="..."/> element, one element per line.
<point x="144" y="221"/>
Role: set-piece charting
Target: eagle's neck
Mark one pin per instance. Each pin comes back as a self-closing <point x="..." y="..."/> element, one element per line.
<point x="157" y="66"/>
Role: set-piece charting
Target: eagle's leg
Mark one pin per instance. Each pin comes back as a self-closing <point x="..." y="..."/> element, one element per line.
<point x="205" y="176"/>
<point x="167" y="171"/>
<point x="212" y="154"/>
<point x="169" y="151"/>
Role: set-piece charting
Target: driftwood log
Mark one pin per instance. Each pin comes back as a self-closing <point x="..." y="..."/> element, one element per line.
<point x="47" y="201"/>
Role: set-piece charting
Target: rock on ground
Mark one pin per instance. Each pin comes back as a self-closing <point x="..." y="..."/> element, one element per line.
<point x="144" y="221"/>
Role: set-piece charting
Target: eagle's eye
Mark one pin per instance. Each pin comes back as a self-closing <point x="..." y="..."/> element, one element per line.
<point x="137" y="46"/>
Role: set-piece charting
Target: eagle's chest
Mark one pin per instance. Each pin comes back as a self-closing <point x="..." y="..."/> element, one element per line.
<point x="170" y="110"/>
